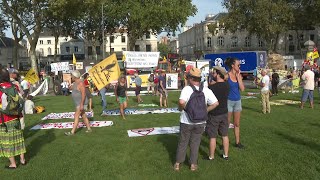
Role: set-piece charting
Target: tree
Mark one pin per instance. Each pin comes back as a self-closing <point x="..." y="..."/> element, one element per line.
<point x="63" y="19"/>
<point x="265" y="18"/>
<point x="3" y="24"/>
<point x="164" y="49"/>
<point x="30" y="18"/>
<point x="142" y="17"/>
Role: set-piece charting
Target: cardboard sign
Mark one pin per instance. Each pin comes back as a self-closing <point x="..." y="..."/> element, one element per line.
<point x="172" y="81"/>
<point x="60" y="66"/>
<point x="79" y="65"/>
<point x="105" y="72"/>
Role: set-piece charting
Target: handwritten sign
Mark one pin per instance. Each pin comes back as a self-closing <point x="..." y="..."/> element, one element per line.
<point x="141" y="59"/>
<point x="60" y="66"/>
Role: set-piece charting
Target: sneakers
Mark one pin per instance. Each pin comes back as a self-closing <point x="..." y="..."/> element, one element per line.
<point x="68" y="133"/>
<point x="239" y="145"/>
<point x="225" y="157"/>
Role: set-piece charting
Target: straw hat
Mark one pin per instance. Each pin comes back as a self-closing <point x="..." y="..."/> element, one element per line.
<point x="195" y="72"/>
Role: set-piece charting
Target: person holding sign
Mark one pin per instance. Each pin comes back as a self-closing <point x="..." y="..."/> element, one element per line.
<point x="80" y="101"/>
<point x="120" y="92"/>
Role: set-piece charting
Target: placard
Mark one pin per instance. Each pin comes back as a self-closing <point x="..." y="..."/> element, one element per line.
<point x="60" y="66"/>
<point x="79" y="65"/>
<point x="131" y="83"/>
<point x="141" y="59"/>
<point x="172" y="81"/>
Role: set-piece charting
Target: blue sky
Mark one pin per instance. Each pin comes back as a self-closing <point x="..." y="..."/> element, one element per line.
<point x="205" y="7"/>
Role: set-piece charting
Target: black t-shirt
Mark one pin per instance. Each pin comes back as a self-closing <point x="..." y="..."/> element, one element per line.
<point x="275" y="77"/>
<point x="221" y="91"/>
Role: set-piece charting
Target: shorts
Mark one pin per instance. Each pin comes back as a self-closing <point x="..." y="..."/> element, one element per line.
<point x="234" y="106"/>
<point x="161" y="91"/>
<point x="88" y="93"/>
<point x="217" y="124"/>
<point x="122" y="100"/>
<point x="137" y="90"/>
<point x="307" y="94"/>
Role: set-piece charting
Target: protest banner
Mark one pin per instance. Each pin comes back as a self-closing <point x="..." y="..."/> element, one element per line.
<point x="32" y="77"/>
<point x="131" y="80"/>
<point x="60" y="66"/>
<point x="141" y="59"/>
<point x="105" y="72"/>
<point x="172" y="81"/>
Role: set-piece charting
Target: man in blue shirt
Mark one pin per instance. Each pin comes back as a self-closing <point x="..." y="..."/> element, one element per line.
<point x="162" y="89"/>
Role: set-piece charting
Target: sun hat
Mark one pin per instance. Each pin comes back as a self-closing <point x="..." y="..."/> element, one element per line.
<point x="195" y="72"/>
<point x="76" y="73"/>
<point x="221" y="69"/>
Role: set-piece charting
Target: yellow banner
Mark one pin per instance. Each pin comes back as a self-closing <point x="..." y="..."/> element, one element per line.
<point x="74" y="60"/>
<point x="105" y="72"/>
<point x="32" y="76"/>
<point x="131" y="80"/>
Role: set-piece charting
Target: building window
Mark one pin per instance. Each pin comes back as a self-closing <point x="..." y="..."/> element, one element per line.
<point x="312" y="37"/>
<point x="76" y="49"/>
<point x="124" y="49"/>
<point x="260" y="43"/>
<point x="49" y="41"/>
<point x="247" y="42"/>
<point x="290" y="37"/>
<point x="89" y="50"/>
<point x="68" y="50"/>
<point x="148" y="48"/>
<point x="148" y="35"/>
<point x="49" y="51"/>
<point x="291" y="48"/>
<point x="137" y="48"/>
<point x="301" y="37"/>
<point x="41" y="41"/>
<point x="221" y="41"/>
<point x="112" y="49"/>
<point x="123" y="39"/>
<point x="209" y="42"/>
<point x="98" y="50"/>
<point x="234" y="42"/>
<point x="41" y="51"/>
<point x="111" y="39"/>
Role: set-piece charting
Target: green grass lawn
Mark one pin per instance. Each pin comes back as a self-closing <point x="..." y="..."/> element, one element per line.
<point x="282" y="145"/>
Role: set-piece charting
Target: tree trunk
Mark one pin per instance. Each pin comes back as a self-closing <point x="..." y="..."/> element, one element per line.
<point x="56" y="39"/>
<point x="15" y="54"/>
<point x="299" y="44"/>
<point x="33" y="58"/>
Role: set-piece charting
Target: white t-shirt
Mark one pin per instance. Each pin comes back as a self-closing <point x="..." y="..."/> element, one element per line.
<point x="25" y="85"/>
<point x="185" y="95"/>
<point x="28" y="107"/>
<point x="308" y="77"/>
<point x="266" y="81"/>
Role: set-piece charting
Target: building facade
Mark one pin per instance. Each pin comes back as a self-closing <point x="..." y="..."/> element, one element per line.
<point x="198" y="38"/>
<point x="7" y="51"/>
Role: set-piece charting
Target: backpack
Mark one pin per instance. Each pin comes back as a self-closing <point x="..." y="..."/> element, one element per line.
<point x="12" y="103"/>
<point x="196" y="108"/>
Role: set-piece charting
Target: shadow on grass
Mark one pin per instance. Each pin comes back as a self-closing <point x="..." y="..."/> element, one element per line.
<point x="314" y="124"/>
<point x="251" y="109"/>
<point x="36" y="144"/>
<point x="299" y="141"/>
<point x="170" y="142"/>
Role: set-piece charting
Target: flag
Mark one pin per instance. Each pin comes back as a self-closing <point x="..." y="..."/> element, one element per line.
<point x="74" y="60"/>
<point x="124" y="57"/>
<point x="164" y="59"/>
<point x="32" y="76"/>
<point x="315" y="53"/>
<point x="105" y="72"/>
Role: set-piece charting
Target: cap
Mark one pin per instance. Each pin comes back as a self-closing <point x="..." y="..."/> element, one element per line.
<point x="76" y="73"/>
<point x="195" y="72"/>
<point x="221" y="69"/>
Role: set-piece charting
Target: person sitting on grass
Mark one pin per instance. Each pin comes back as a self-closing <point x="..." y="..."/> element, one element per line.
<point x="120" y="92"/>
<point x="29" y="107"/>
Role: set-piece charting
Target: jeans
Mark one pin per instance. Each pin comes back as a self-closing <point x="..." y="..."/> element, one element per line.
<point x="103" y="99"/>
<point x="65" y="91"/>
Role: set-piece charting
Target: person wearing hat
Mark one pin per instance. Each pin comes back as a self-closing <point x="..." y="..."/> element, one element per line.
<point x="191" y="132"/>
<point x="14" y="74"/>
<point x="308" y="88"/>
<point x="162" y="89"/>
<point x="79" y="97"/>
<point x="218" y="117"/>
